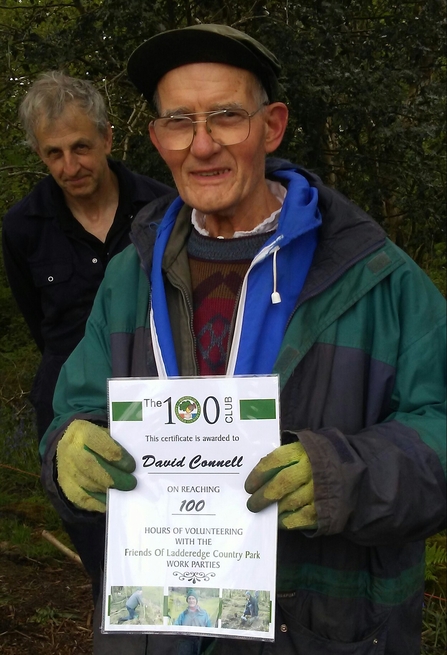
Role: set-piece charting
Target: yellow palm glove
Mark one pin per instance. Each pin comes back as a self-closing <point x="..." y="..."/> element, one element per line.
<point x="284" y="475"/>
<point x="88" y="462"/>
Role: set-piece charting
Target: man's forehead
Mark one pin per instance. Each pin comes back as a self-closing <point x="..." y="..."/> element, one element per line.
<point x="49" y="144"/>
<point x="71" y="114"/>
<point x="217" y="85"/>
<point x="71" y="125"/>
<point x="205" y="69"/>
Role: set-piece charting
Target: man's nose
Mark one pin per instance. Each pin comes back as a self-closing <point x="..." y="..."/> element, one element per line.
<point x="203" y="144"/>
<point x="71" y="164"/>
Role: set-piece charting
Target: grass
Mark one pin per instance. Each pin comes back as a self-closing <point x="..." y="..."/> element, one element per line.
<point x="434" y="626"/>
<point x="435" y="616"/>
<point x="24" y="508"/>
<point x="25" y="512"/>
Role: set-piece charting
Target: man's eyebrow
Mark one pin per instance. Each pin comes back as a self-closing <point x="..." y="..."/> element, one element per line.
<point x="53" y="148"/>
<point x="182" y="111"/>
<point x="227" y="105"/>
<point x="178" y="111"/>
<point x="83" y="141"/>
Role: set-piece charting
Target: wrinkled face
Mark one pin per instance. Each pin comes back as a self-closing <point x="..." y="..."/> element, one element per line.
<point x="192" y="602"/>
<point x="222" y="181"/>
<point x="75" y="152"/>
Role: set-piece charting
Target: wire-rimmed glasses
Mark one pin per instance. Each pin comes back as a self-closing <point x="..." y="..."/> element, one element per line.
<point x="226" y="127"/>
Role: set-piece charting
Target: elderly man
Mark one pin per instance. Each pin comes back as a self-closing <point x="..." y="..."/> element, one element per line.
<point x="258" y="268"/>
<point x="58" y="240"/>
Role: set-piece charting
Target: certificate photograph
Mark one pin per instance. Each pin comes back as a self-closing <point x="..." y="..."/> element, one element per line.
<point x="183" y="544"/>
<point x="246" y="609"/>
<point x="194" y="607"/>
<point x="138" y="605"/>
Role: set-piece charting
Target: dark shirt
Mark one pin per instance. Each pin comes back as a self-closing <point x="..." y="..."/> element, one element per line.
<point x="54" y="266"/>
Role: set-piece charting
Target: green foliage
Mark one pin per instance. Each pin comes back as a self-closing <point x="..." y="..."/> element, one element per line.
<point x="365" y="83"/>
<point x="18" y="444"/>
<point x="434" y="614"/>
<point x="434" y="264"/>
<point x="436" y="563"/>
<point x="49" y="615"/>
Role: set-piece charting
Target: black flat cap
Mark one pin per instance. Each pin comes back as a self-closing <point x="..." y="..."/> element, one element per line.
<point x="201" y="43"/>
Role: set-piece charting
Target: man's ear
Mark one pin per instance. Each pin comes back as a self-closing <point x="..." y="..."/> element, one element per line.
<point x="153" y="137"/>
<point x="277" y="116"/>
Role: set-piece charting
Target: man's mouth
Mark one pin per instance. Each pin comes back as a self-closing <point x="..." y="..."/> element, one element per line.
<point x="212" y="173"/>
<point x="82" y="178"/>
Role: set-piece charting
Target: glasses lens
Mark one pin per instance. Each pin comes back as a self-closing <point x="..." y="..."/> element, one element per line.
<point x="174" y="133"/>
<point x="229" y="127"/>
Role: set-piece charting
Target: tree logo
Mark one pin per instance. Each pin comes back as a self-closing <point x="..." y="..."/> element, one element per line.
<point x="187" y="409"/>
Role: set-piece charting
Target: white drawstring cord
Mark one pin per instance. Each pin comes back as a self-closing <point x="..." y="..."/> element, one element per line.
<point x="276" y="298"/>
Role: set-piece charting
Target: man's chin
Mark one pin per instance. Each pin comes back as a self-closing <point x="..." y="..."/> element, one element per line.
<point x="210" y="201"/>
<point x="79" y="190"/>
<point x="218" y="209"/>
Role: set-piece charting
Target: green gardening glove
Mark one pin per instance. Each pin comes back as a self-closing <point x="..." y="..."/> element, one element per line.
<point x="284" y="475"/>
<point x="88" y="462"/>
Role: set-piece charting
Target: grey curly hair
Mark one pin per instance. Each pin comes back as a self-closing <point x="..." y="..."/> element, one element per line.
<point x="49" y="96"/>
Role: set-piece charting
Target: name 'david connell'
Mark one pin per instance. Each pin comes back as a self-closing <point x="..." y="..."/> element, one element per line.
<point x="194" y="463"/>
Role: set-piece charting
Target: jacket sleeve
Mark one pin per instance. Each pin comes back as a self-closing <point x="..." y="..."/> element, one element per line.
<point x="386" y="484"/>
<point x="19" y="277"/>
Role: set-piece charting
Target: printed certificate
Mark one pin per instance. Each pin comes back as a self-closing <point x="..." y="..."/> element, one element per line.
<point x="183" y="552"/>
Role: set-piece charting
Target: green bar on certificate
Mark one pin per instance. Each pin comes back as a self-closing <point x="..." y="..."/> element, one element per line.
<point x="257" y="409"/>
<point x="127" y="411"/>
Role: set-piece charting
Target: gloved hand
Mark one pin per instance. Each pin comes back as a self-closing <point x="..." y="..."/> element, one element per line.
<point x="284" y="475"/>
<point x="88" y="462"/>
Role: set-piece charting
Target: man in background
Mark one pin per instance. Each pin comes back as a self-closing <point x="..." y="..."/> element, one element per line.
<point x="58" y="240"/>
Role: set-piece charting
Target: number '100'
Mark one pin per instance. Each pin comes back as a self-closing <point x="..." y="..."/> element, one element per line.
<point x="190" y="505"/>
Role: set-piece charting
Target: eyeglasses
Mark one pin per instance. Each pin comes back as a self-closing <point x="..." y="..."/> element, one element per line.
<point x="226" y="127"/>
